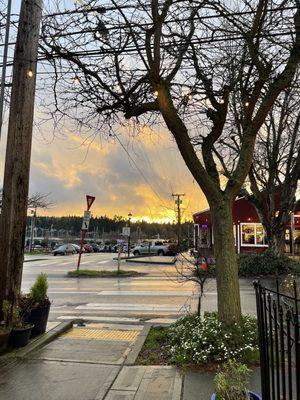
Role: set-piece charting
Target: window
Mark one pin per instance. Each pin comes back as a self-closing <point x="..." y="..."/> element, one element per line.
<point x="253" y="235"/>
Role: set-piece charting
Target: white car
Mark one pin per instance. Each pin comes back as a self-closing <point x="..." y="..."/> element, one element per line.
<point x="157" y="247"/>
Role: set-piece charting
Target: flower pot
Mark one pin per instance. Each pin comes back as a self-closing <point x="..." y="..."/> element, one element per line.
<point x="38" y="317"/>
<point x="19" y="337"/>
<point x="4" y="338"/>
<point x="253" y="396"/>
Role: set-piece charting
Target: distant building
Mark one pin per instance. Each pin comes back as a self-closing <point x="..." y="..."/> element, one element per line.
<point x="248" y="231"/>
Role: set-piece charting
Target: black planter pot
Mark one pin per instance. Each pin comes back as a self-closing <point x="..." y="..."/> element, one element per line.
<point x="38" y="317"/>
<point x="4" y="338"/>
<point x="19" y="337"/>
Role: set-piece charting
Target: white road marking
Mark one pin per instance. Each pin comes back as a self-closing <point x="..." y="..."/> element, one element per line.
<point x="128" y="307"/>
<point x="171" y="293"/>
<point x="99" y="319"/>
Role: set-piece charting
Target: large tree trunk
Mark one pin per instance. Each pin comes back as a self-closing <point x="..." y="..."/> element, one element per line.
<point x="229" y="306"/>
<point x="276" y="240"/>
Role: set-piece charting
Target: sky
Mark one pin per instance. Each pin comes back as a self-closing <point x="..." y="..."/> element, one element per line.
<point x="140" y="181"/>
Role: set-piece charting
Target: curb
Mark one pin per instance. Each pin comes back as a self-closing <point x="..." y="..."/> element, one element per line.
<point x="152" y="262"/>
<point x="133" y="355"/>
<point x="43" y="340"/>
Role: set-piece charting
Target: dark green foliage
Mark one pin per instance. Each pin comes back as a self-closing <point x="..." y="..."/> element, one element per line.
<point x="204" y="340"/>
<point x="232" y="381"/>
<point x="201" y="341"/>
<point x="153" y="351"/>
<point x="266" y="263"/>
<point x="38" y="292"/>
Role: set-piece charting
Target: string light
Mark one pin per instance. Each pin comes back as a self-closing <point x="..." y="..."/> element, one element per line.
<point x="30" y="73"/>
<point x="247" y="104"/>
<point x="76" y="80"/>
<point x="190" y="97"/>
<point x="155" y="93"/>
<point x="222" y="101"/>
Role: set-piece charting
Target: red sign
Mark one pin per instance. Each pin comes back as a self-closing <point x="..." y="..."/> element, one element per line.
<point x="90" y="200"/>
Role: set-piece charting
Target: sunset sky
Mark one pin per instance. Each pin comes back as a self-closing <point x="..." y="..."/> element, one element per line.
<point x="69" y="165"/>
<point x="142" y="182"/>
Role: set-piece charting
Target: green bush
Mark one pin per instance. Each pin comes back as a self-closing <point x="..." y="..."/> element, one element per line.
<point x="38" y="292"/>
<point x="267" y="263"/>
<point x="232" y="382"/>
<point x="203" y="340"/>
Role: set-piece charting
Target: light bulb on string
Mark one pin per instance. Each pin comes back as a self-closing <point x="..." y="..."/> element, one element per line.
<point x="222" y="101"/>
<point x="155" y="93"/>
<point x="76" y="80"/>
<point x="247" y="104"/>
<point x="29" y="73"/>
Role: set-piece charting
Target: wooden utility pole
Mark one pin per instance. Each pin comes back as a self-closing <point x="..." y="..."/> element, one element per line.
<point x="18" y="152"/>
<point x="178" y="202"/>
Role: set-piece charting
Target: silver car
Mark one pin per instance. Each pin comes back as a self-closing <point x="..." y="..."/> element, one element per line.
<point x="156" y="247"/>
<point x="64" y="249"/>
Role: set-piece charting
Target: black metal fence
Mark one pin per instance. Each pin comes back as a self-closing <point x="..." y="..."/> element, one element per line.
<point x="279" y="342"/>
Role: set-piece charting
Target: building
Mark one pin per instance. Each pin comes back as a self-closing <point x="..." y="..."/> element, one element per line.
<point x="248" y="231"/>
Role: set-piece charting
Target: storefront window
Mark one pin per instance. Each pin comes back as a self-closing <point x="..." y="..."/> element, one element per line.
<point x="248" y="234"/>
<point x="204" y="235"/>
<point x="253" y="235"/>
<point x="260" y="235"/>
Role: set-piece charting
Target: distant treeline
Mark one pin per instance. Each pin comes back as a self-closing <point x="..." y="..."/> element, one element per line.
<point x="105" y="225"/>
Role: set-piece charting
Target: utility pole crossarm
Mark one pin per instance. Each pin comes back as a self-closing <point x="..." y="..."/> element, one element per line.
<point x="178" y="203"/>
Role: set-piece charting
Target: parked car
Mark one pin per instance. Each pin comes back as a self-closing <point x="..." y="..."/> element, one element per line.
<point x="96" y="247"/>
<point x="77" y="248"/>
<point x="88" y="248"/>
<point x="157" y="247"/>
<point x="64" y="249"/>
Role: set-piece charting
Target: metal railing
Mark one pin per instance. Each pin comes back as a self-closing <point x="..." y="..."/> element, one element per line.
<point x="279" y="342"/>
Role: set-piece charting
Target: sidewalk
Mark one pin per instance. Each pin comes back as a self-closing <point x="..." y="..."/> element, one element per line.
<point x="96" y="362"/>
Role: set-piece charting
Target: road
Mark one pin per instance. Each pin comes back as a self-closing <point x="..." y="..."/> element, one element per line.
<point x="151" y="297"/>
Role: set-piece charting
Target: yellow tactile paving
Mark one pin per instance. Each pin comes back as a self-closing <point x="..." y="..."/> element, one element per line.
<point x="102" y="334"/>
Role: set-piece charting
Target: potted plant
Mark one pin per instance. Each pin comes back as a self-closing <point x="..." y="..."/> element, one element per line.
<point x="231" y="383"/>
<point x="39" y="305"/>
<point x="21" y="331"/>
<point x="4" y="328"/>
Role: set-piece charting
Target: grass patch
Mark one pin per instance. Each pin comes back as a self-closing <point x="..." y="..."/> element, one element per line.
<point x="88" y="273"/>
<point x="201" y="343"/>
<point x="153" y="351"/>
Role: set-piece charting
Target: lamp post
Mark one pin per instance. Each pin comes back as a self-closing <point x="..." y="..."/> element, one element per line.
<point x="129" y="223"/>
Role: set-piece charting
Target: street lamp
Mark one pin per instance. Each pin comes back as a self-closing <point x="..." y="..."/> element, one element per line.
<point x="128" y="244"/>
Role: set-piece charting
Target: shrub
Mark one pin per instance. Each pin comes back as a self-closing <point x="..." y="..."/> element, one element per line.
<point x="266" y="263"/>
<point x="196" y="340"/>
<point x="232" y="382"/>
<point x="38" y="292"/>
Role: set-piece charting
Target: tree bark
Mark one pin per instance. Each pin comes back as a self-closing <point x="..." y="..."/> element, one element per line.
<point x="229" y="306"/>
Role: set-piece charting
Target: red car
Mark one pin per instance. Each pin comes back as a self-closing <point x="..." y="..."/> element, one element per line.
<point x="88" y="248"/>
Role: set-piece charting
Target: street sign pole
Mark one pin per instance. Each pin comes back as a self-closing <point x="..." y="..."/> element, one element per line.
<point x="85" y="225"/>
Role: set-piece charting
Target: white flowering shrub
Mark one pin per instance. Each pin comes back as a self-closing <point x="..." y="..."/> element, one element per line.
<point x="202" y="340"/>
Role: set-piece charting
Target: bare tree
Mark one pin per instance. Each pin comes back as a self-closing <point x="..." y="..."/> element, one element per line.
<point x="274" y="174"/>
<point x="179" y="63"/>
<point x="36" y="200"/>
<point x="275" y="170"/>
<point x="194" y="271"/>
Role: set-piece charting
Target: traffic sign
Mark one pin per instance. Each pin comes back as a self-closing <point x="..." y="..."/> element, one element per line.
<point x="89" y="200"/>
<point x="86" y="220"/>
<point x="126" y="231"/>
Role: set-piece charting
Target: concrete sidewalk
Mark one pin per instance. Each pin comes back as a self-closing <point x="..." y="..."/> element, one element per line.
<point x="96" y="362"/>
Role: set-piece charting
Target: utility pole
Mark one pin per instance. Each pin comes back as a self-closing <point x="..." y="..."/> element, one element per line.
<point x="129" y="233"/>
<point x="18" y="152"/>
<point x="178" y="203"/>
<point x="4" y="63"/>
<point x="33" y="218"/>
